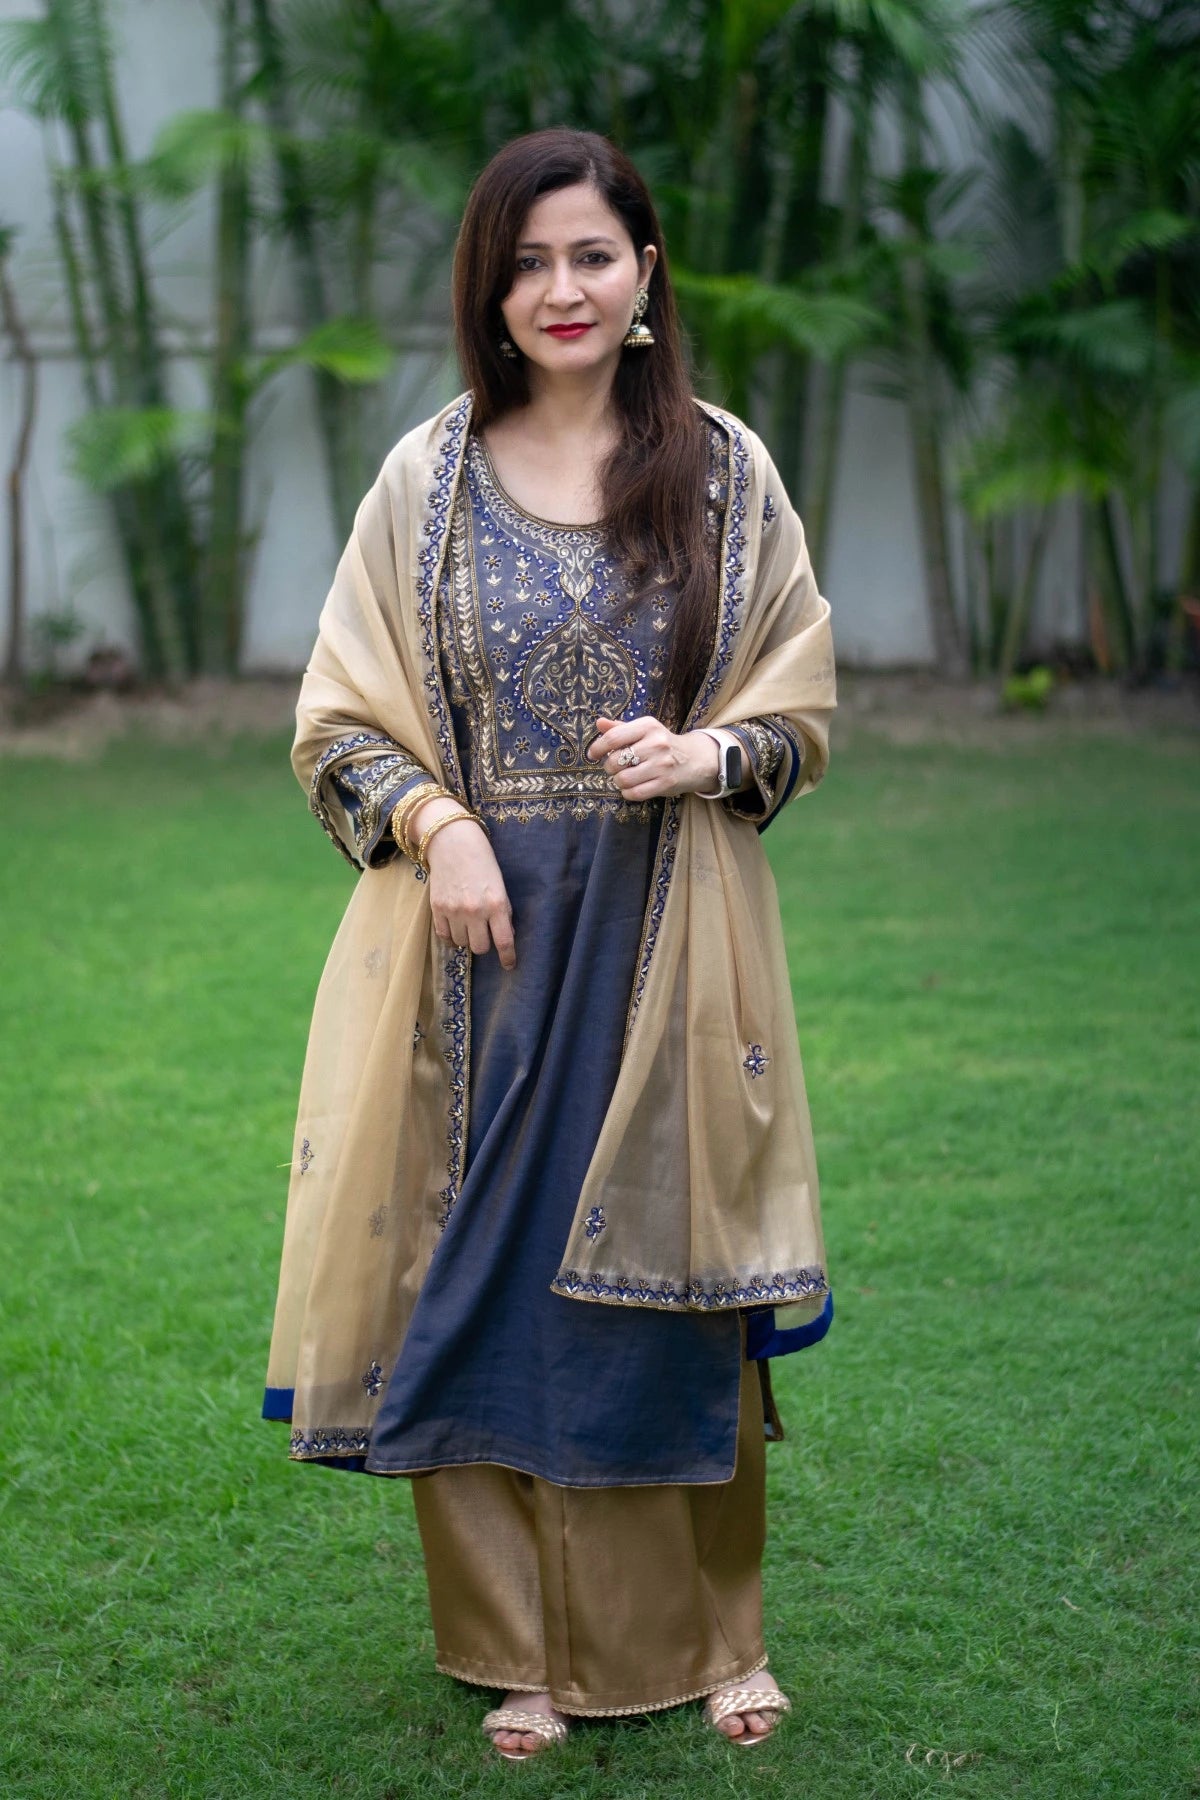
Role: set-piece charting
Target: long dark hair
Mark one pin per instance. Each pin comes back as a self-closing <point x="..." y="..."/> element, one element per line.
<point x="654" y="484"/>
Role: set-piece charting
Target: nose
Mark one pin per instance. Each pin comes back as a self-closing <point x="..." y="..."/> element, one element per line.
<point x="563" y="288"/>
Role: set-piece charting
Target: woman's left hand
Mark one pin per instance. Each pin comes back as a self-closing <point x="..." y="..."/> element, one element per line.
<point x="667" y="762"/>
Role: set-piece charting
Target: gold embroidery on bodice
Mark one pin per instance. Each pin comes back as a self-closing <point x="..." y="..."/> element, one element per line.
<point x="576" y="672"/>
<point x="531" y="661"/>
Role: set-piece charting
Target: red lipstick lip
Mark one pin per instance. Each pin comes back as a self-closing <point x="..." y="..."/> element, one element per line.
<point x="567" y="331"/>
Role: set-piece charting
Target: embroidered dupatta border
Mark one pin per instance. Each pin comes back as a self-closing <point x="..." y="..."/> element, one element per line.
<point x="456" y="963"/>
<point x="730" y="603"/>
<point x="797" y="1284"/>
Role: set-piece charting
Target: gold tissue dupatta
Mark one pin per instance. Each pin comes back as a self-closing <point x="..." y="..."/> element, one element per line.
<point x="702" y="1191"/>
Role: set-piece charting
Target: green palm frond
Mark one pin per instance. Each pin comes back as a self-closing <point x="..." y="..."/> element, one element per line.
<point x="1145" y="118"/>
<point x="351" y="63"/>
<point x="115" y="445"/>
<point x="1114" y="338"/>
<point x="55" y="65"/>
<point x="740" y="27"/>
<point x="1017" y="470"/>
<point x="196" y="147"/>
<point x="922" y="35"/>
<point x="1156" y="229"/>
<point x="763" y="315"/>
<point x="352" y="350"/>
<point x="338" y="163"/>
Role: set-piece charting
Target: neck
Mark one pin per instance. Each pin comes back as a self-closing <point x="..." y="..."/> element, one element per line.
<point x="571" y="406"/>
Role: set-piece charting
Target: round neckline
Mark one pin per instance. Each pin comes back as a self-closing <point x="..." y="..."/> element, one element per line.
<point x="594" y="527"/>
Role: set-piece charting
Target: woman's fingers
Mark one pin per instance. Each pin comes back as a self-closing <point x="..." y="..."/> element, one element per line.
<point x="666" y="761"/>
<point x="467" y="897"/>
<point x="604" y="727"/>
<point x="453" y="931"/>
<point x="614" y="736"/>
<point x="478" y="936"/>
<point x="479" y="930"/>
<point x="654" y="747"/>
<point x="502" y="936"/>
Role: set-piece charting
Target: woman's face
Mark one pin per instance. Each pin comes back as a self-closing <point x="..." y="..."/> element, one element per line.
<point x="577" y="275"/>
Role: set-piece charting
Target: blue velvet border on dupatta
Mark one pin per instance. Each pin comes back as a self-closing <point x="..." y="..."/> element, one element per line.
<point x="762" y="1338"/>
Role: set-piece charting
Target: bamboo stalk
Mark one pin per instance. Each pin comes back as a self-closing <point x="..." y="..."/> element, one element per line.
<point x="828" y="401"/>
<point x="24" y="356"/>
<point x="299" y="222"/>
<point x="1017" y="619"/>
<point x="795" y="192"/>
<point x="1187" y="593"/>
<point x="1113" y="585"/>
<point x="144" y="513"/>
<point x="924" y="422"/>
<point x="123" y="509"/>
<point x="223" y="592"/>
<point x="362" y="271"/>
<point x="176" y="537"/>
<point x="1190" y="576"/>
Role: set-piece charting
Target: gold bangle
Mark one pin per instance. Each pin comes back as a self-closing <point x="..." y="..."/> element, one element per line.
<point x="414" y="798"/>
<point x="432" y="830"/>
<point x="412" y="803"/>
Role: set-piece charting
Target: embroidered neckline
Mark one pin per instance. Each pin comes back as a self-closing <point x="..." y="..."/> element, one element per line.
<point x="500" y="498"/>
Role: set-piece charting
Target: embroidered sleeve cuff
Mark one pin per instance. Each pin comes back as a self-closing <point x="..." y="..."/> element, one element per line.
<point x="356" y="787"/>
<point x="775" y="753"/>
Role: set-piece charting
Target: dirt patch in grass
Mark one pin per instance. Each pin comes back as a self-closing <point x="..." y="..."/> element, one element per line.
<point x="918" y="709"/>
<point x="73" y="723"/>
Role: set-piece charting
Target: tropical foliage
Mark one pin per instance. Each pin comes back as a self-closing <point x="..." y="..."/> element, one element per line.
<point x="1034" y="301"/>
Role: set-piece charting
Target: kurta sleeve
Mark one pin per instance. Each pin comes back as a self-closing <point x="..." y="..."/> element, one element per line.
<point x="772" y="756"/>
<point x="365" y="777"/>
<point x="362" y="723"/>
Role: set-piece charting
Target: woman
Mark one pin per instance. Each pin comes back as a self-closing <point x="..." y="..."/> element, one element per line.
<point x="553" y="1163"/>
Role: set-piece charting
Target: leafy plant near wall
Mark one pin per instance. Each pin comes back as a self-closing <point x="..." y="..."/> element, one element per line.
<point x="366" y="115"/>
<point x="63" y="66"/>
<point x="1095" y="341"/>
<point x="175" y="476"/>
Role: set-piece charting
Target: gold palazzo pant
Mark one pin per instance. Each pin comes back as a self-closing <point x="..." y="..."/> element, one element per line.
<point x="613" y="1600"/>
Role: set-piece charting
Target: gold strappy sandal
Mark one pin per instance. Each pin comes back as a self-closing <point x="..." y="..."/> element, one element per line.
<point x="515" y="1718"/>
<point x="746" y="1700"/>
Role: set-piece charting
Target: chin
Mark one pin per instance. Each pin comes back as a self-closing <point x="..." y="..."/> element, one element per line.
<point x="580" y="354"/>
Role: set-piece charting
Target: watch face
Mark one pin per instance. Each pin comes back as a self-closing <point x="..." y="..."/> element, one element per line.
<point x="733" y="766"/>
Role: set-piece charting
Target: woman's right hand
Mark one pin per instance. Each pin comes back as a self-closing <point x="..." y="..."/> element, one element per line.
<point x="466" y="889"/>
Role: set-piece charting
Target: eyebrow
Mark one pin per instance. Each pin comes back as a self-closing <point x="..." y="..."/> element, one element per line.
<point x="579" y="244"/>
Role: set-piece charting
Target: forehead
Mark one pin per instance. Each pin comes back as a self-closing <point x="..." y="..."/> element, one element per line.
<point x="569" y="214"/>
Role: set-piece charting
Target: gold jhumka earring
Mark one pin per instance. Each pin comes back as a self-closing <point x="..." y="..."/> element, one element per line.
<point x="639" y="336"/>
<point x="509" y="349"/>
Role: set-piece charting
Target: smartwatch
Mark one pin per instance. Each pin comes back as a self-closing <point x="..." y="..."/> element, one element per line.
<point x="730" y="765"/>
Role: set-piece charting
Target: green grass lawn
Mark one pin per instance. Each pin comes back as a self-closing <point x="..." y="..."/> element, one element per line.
<point x="981" y="1564"/>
